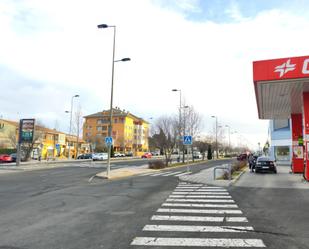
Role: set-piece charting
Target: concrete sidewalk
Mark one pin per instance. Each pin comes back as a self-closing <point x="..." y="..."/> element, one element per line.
<point x="206" y="176"/>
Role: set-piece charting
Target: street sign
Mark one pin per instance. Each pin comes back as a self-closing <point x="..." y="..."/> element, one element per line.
<point x="108" y="140"/>
<point x="187" y="140"/>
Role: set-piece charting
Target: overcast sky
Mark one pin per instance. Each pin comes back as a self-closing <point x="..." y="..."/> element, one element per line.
<point x="51" y="50"/>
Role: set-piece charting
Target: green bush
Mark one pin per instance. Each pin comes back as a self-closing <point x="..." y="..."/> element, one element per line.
<point x="7" y="151"/>
<point x="157" y="164"/>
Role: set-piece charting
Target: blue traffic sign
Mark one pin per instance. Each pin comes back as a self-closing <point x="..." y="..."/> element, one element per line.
<point x="187" y="140"/>
<point x="108" y="140"/>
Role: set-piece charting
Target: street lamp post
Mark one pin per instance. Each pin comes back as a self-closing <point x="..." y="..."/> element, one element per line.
<point x="103" y="26"/>
<point x="229" y="136"/>
<point x="179" y="141"/>
<point x="216" y="135"/>
<point x="70" y="131"/>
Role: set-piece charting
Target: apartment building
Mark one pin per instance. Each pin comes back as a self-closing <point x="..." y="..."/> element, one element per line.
<point x="130" y="133"/>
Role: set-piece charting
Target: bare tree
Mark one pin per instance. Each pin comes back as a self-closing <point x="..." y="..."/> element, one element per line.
<point x="166" y="136"/>
<point x="193" y="123"/>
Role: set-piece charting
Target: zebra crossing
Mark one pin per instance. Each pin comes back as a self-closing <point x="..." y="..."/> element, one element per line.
<point x="166" y="173"/>
<point x="196" y="215"/>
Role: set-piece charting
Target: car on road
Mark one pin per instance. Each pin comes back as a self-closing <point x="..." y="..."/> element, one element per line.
<point x="119" y="154"/>
<point x="155" y="153"/>
<point x="242" y="157"/>
<point x="4" y="158"/>
<point x="197" y="155"/>
<point x="265" y="164"/>
<point x="147" y="155"/>
<point x="85" y="156"/>
<point x="129" y="153"/>
<point x="99" y="156"/>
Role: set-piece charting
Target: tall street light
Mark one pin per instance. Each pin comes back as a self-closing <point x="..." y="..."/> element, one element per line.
<point x="179" y="141"/>
<point x="229" y="136"/>
<point x="103" y="26"/>
<point x="216" y="134"/>
<point x="70" y="131"/>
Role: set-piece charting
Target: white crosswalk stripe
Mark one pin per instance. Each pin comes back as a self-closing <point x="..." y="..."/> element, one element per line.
<point x="204" y="193"/>
<point x="200" y="200"/>
<point x="225" y="243"/>
<point x="197" y="208"/>
<point x="167" y="173"/>
<point x="199" y="205"/>
<point x="202" y="196"/>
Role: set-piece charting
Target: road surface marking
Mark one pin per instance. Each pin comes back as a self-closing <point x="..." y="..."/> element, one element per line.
<point x="147" y="174"/>
<point x="203" y="211"/>
<point x="173" y="173"/>
<point x="161" y="173"/>
<point x="202" y="196"/>
<point x="182" y="174"/>
<point x="200" y="193"/>
<point x="177" y="242"/>
<point x="187" y="218"/>
<point x="236" y="219"/>
<point x="200" y="200"/>
<point x="199" y="205"/>
<point x="206" y="229"/>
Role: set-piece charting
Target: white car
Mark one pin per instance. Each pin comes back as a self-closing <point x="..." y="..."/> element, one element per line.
<point x="118" y="154"/>
<point x="99" y="156"/>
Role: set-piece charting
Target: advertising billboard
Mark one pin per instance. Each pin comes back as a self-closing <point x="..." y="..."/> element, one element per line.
<point x="26" y="130"/>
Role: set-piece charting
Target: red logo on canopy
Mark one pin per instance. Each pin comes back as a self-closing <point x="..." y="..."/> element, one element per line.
<point x="287" y="68"/>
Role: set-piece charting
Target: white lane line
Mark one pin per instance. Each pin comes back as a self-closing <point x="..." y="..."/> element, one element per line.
<point x="196" y="242"/>
<point x="182" y="174"/>
<point x="161" y="173"/>
<point x="206" y="229"/>
<point x="147" y="174"/>
<point x="187" y="218"/>
<point x="173" y="173"/>
<point x="213" y="190"/>
<point x="200" y="200"/>
<point x="193" y="185"/>
<point x="236" y="219"/>
<point x="204" y="193"/>
<point x="202" y="211"/>
<point x="199" y="205"/>
<point x="202" y="196"/>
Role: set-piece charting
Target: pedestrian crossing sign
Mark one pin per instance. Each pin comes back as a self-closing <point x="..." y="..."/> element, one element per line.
<point x="187" y="140"/>
<point x="108" y="140"/>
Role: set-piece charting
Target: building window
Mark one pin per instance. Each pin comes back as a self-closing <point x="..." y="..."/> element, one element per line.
<point x="281" y="124"/>
<point x="99" y="128"/>
<point x="282" y="153"/>
<point x="104" y="128"/>
<point x="88" y="134"/>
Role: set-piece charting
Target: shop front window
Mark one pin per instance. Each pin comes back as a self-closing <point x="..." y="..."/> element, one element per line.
<point x="282" y="153"/>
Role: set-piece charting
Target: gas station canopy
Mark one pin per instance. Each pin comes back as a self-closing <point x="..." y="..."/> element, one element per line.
<point x="279" y="85"/>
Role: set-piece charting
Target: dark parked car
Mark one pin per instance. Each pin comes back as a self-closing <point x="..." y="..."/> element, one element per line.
<point x="265" y="164"/>
<point x="242" y="157"/>
<point x="4" y="158"/>
<point x="129" y="153"/>
<point x="85" y="156"/>
<point x="13" y="156"/>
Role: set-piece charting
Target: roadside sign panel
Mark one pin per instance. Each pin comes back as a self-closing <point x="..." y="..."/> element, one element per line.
<point x="26" y="130"/>
<point x="108" y="140"/>
<point x="187" y="140"/>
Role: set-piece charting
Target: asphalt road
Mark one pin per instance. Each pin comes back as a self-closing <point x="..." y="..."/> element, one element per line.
<point x="60" y="208"/>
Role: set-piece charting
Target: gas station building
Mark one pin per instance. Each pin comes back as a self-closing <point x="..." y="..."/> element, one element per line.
<point x="282" y="94"/>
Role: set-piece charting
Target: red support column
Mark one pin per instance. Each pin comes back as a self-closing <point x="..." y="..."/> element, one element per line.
<point x="297" y="147"/>
<point x="306" y="133"/>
